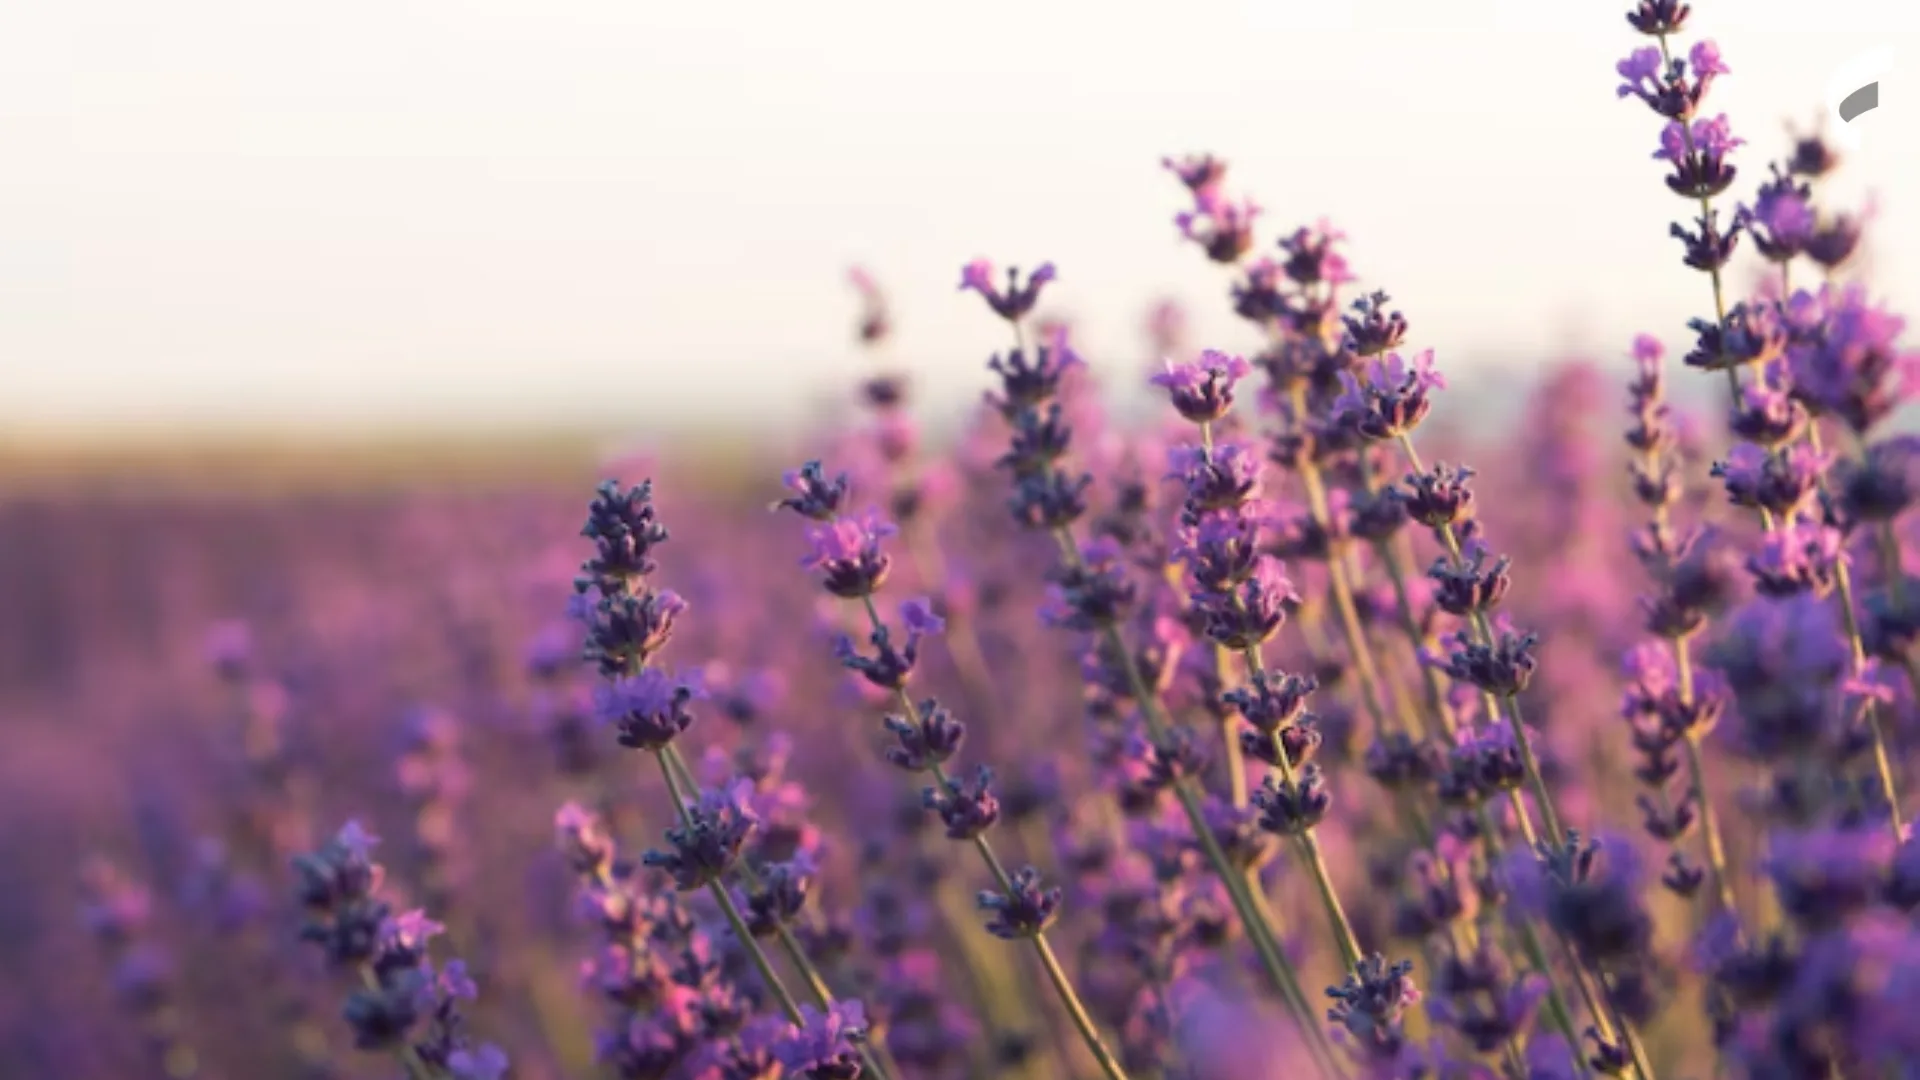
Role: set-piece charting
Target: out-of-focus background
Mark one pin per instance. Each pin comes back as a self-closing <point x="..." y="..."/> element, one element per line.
<point x="224" y="219"/>
<point x="250" y="251"/>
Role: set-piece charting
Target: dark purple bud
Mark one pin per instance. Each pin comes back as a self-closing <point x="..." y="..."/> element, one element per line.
<point x="648" y="710"/>
<point x="1659" y="18"/>
<point x="1202" y="389"/>
<point x="1023" y="910"/>
<point x="1291" y="809"/>
<point x="814" y="496"/>
<point x="706" y="843"/>
<point x="929" y="738"/>
<point x="1438" y="497"/>
<point x="847" y="555"/>
<point x="1372" y="330"/>
<point x="1371" y="1006"/>
<point x="968" y="808"/>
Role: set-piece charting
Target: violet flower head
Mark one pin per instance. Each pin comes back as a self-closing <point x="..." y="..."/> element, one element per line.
<point x="781" y="894"/>
<point x="1371" y="1005"/>
<point x="846" y="553"/>
<point x="1222" y="478"/>
<point x="968" y="808"/>
<point x="1018" y="299"/>
<point x="1696" y="154"/>
<point x="1372" y="329"/>
<point x="890" y="665"/>
<point x="1799" y="556"/>
<point x="1248" y="615"/>
<point x="1472" y="587"/>
<point x="707" y="842"/>
<point x="1502" y="668"/>
<point x="1292" y="809"/>
<point x="624" y="528"/>
<point x="1781" y="219"/>
<point x="1390" y="396"/>
<point x="1313" y="257"/>
<point x="1024" y="909"/>
<point x="1202" y="389"/>
<point x="648" y="710"/>
<point x="928" y="738"/>
<point x="1659" y="18"/>
<point x="1753" y="334"/>
<point x="825" y="1045"/>
<point x="814" y="495"/>
<point x="1767" y="412"/>
<point x="1782" y="482"/>
<point x="1221" y="550"/>
<point x="1438" y="497"/>
<point x="625" y="630"/>
<point x="1030" y="377"/>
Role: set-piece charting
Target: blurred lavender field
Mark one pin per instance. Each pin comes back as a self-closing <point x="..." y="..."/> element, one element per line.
<point x="1334" y="718"/>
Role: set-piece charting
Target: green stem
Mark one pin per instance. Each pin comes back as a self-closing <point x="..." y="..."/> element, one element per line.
<point x="1109" y="1064"/>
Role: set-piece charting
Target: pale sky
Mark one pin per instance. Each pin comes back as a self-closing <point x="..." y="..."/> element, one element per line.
<point x="376" y="212"/>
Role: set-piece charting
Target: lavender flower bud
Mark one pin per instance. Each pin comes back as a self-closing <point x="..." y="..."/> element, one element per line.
<point x="648" y="710"/>
<point x="931" y="738"/>
<point x="706" y="844"/>
<point x="968" y="809"/>
<point x="1024" y="910"/>
<point x="814" y="496"/>
<point x="1202" y="390"/>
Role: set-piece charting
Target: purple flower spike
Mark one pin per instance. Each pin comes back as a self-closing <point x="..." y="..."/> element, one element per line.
<point x="1202" y="389"/>
<point x="1018" y="300"/>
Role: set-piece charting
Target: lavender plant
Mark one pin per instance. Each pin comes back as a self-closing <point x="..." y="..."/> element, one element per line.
<point x="1546" y="753"/>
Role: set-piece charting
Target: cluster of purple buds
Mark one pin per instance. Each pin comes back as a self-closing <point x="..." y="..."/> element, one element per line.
<point x="626" y="621"/>
<point x="407" y="1006"/>
<point x="707" y="841"/>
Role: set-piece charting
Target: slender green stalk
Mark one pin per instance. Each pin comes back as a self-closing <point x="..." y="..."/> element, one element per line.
<point x="1076" y="1010"/>
<point x="732" y="911"/>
